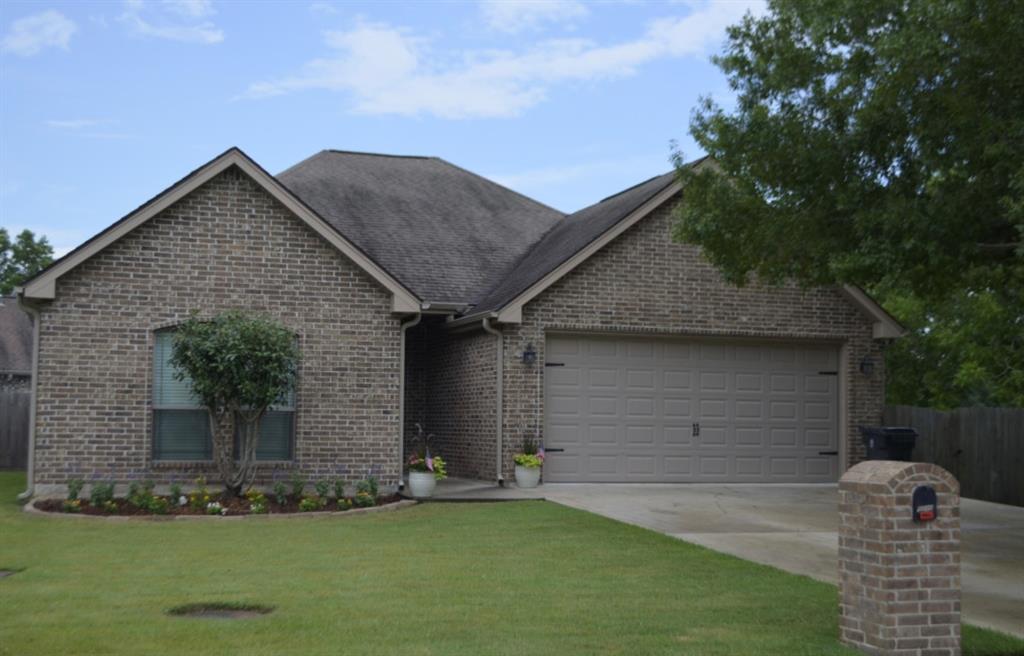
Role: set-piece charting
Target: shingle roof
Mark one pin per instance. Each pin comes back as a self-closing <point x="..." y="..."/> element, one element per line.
<point x="447" y="234"/>
<point x="568" y="237"/>
<point x="15" y="338"/>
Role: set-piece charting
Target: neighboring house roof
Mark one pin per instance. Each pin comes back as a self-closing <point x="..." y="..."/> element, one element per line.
<point x="15" y="338"/>
<point x="43" y="285"/>
<point x="448" y="234"/>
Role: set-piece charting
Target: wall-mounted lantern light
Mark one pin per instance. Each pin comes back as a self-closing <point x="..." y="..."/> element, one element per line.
<point x="867" y="366"/>
<point x="529" y="354"/>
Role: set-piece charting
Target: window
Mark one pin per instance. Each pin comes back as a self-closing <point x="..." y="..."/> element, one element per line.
<point x="181" y="430"/>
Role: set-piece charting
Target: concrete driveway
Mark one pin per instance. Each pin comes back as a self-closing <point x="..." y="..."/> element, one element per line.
<point x="793" y="527"/>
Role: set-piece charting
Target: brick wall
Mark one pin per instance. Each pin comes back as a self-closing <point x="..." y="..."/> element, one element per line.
<point x="643" y="282"/>
<point x="227" y="245"/>
<point x="899" y="580"/>
<point x="457" y="399"/>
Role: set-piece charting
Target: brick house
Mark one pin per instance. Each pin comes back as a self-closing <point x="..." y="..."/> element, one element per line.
<point x="422" y="293"/>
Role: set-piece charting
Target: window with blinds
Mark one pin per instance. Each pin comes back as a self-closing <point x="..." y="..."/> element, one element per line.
<point x="181" y="430"/>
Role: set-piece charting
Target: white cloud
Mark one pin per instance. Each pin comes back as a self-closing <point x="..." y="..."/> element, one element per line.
<point x="29" y="35"/>
<point x="156" y="24"/>
<point x="189" y="8"/>
<point x="387" y="70"/>
<point x="73" y="123"/>
<point x="323" y="9"/>
<point x="517" y="15"/>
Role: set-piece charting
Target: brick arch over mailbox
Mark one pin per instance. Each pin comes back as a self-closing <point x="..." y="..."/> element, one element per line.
<point x="644" y="284"/>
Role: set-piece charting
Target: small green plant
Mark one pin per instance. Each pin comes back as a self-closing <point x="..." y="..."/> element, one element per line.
<point x="280" y="493"/>
<point x="158" y="505"/>
<point x="75" y="486"/>
<point x="322" y="488"/>
<point x="257" y="502"/>
<point x="312" y="503"/>
<point x="529" y="461"/>
<point x="141" y="495"/>
<point x="175" y="491"/>
<point x="298" y="483"/>
<point x="133" y="493"/>
<point x="364" y="499"/>
<point x="214" y="508"/>
<point x="339" y="489"/>
<point x="72" y="505"/>
<point x="200" y="498"/>
<point x="435" y="464"/>
<point x="368" y="485"/>
<point x="109" y="506"/>
<point x="344" y="504"/>
<point x="102" y="495"/>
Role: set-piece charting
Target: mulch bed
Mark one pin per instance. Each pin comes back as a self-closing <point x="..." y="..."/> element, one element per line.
<point x="234" y="505"/>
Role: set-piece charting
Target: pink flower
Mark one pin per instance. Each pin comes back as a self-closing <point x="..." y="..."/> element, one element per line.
<point x="430" y="464"/>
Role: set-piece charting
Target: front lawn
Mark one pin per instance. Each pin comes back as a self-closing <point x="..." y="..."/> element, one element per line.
<point x="517" y="578"/>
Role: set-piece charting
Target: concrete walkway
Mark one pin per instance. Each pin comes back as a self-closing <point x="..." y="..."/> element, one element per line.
<point x="792" y="527"/>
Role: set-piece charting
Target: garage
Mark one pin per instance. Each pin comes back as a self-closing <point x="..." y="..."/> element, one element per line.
<point x="628" y="409"/>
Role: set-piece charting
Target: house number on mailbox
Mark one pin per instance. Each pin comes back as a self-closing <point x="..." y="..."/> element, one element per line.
<point x="925" y="502"/>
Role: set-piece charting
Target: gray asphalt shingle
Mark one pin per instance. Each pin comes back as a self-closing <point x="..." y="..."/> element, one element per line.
<point x="445" y="233"/>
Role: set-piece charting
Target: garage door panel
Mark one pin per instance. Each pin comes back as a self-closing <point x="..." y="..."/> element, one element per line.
<point x="625" y="408"/>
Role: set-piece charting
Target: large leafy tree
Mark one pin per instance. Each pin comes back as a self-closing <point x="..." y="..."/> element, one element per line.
<point x="238" y="365"/>
<point x="22" y="258"/>
<point x="879" y="144"/>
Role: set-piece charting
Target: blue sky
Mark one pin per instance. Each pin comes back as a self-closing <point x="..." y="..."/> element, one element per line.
<point x="103" y="105"/>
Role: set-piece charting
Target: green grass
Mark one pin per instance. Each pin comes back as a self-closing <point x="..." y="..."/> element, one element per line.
<point x="506" y="578"/>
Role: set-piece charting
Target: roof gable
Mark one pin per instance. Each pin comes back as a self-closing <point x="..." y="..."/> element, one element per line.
<point x="43" y="285"/>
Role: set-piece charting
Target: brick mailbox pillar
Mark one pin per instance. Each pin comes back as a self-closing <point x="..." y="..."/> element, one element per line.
<point x="899" y="578"/>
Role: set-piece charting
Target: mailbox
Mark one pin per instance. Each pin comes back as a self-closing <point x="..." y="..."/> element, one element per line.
<point x="926" y="504"/>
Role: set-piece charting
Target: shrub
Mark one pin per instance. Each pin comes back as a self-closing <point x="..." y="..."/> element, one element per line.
<point x="175" y="491"/>
<point x="298" y="483"/>
<point x="368" y="485"/>
<point x="102" y="495"/>
<point x="75" y="486"/>
<point x="280" y="493"/>
<point x="158" y="505"/>
<point x="257" y="502"/>
<point x="322" y="487"/>
<point x="71" y="505"/>
<point x="200" y="498"/>
<point x="339" y="489"/>
<point x="312" y="503"/>
<point x="364" y="499"/>
<point x="344" y="504"/>
<point x="214" y="508"/>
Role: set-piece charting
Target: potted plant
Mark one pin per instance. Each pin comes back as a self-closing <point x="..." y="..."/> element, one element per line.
<point x="424" y="473"/>
<point x="528" y="464"/>
<point x="425" y="470"/>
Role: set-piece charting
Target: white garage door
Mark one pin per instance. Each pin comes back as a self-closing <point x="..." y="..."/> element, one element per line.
<point x="639" y="409"/>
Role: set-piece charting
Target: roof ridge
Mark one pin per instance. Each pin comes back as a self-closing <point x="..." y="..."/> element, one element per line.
<point x="498" y="184"/>
<point x="340" y="151"/>
<point x="630" y="188"/>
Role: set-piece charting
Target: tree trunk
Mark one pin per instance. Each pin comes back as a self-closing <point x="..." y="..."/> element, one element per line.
<point x="237" y="473"/>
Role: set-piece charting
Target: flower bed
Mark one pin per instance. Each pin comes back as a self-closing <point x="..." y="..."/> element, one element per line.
<point x="234" y="507"/>
<point x="282" y="500"/>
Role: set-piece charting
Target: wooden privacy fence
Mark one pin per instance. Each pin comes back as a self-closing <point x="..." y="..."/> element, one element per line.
<point x="982" y="447"/>
<point x="14" y="428"/>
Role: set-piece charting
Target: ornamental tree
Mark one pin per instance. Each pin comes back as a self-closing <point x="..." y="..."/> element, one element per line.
<point x="238" y="365"/>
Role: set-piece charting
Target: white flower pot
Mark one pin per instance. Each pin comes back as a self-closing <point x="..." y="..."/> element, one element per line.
<point x="527" y="477"/>
<point x="422" y="484"/>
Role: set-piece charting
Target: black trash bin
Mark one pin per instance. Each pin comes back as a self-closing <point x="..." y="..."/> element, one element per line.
<point x="889" y="442"/>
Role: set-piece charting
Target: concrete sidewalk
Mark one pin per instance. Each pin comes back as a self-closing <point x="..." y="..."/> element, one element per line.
<point x="792" y="527"/>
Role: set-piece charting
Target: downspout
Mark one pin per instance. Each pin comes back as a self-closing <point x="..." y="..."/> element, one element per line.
<point x="500" y="394"/>
<point x="30" y="464"/>
<point x="401" y="397"/>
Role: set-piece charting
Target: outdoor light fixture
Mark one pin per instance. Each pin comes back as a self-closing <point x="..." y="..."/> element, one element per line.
<point x="867" y="366"/>
<point x="529" y="354"/>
